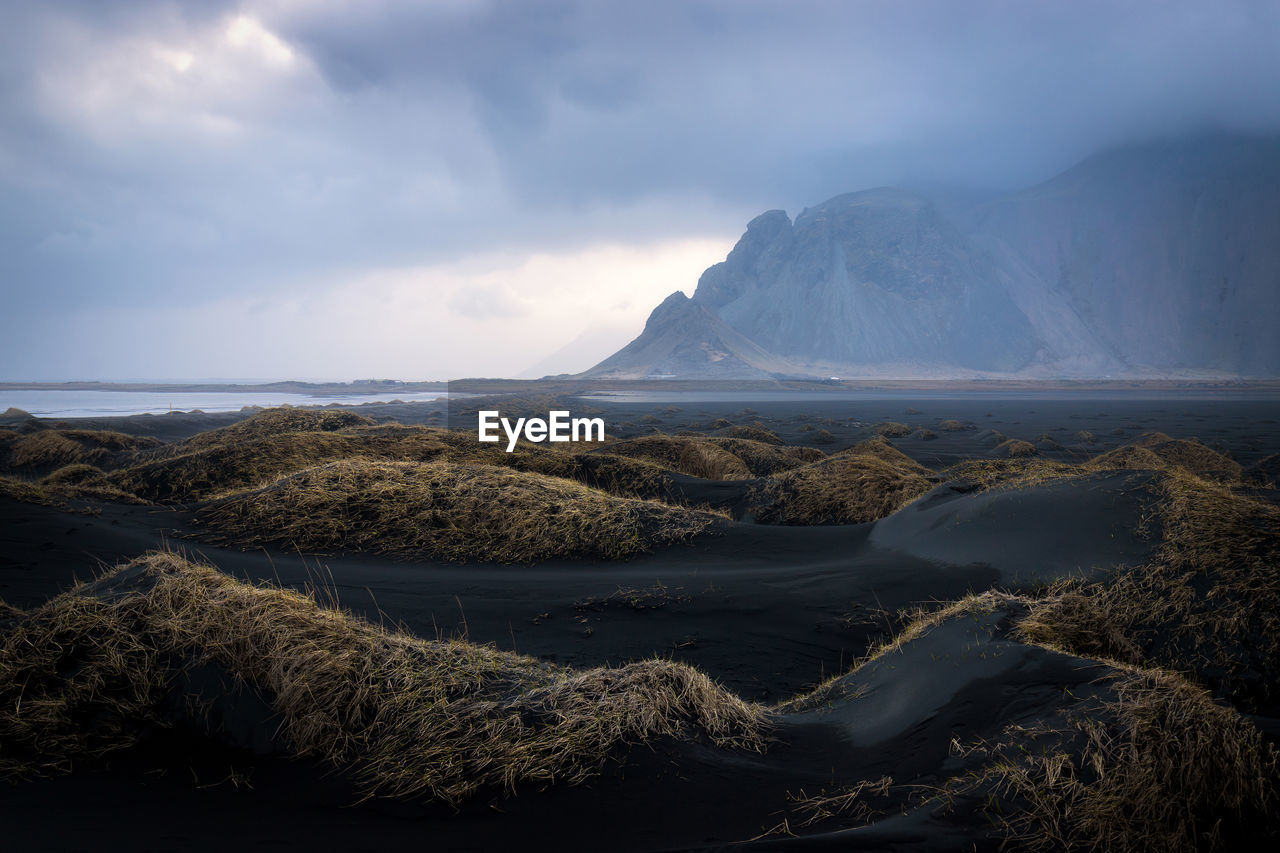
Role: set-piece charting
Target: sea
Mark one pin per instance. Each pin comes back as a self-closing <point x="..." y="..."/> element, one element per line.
<point x="101" y="404"/>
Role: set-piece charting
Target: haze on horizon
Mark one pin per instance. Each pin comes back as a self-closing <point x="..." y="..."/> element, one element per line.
<point x="462" y="188"/>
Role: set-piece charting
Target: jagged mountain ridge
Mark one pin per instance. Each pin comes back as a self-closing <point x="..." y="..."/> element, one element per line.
<point x="1147" y="260"/>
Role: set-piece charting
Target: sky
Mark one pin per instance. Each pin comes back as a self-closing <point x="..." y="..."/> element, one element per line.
<point x="429" y="190"/>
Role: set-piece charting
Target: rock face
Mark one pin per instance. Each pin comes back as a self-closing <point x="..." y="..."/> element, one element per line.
<point x="684" y="337"/>
<point x="876" y="277"/>
<point x="1140" y="261"/>
<point x="1169" y="253"/>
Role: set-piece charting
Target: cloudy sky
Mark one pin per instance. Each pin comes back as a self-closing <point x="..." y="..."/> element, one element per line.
<point x="421" y="190"/>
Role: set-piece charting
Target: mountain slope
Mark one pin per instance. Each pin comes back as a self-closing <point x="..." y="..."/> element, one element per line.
<point x="685" y="338"/>
<point x="1159" y="259"/>
<point x="1170" y="252"/>
<point x="876" y="277"/>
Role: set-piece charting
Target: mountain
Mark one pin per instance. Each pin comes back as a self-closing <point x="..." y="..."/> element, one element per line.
<point x="1169" y="253"/>
<point x="1150" y="260"/>
<point x="684" y="337"/>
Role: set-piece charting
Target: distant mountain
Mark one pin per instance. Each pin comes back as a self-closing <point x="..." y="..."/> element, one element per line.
<point x="1147" y="260"/>
<point x="688" y="338"/>
<point x="1168" y="253"/>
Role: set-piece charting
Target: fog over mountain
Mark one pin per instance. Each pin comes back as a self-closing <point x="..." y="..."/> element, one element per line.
<point x="1159" y="259"/>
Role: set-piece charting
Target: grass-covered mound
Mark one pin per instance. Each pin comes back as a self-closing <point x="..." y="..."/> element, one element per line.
<point x="269" y="422"/>
<point x="755" y="432"/>
<point x="47" y="449"/>
<point x="446" y="511"/>
<point x="763" y="459"/>
<point x="1156" y="765"/>
<point x="1011" y="473"/>
<point x="1158" y="452"/>
<point x="864" y="483"/>
<point x="885" y="451"/>
<point x="708" y="458"/>
<point x="26" y="492"/>
<point x="1208" y="603"/>
<point x="94" y="670"/>
<point x="1265" y="472"/>
<point x="1127" y="456"/>
<point x="78" y="483"/>
<point x="892" y="429"/>
<point x="1193" y="457"/>
<point x="203" y="469"/>
<point x="1014" y="448"/>
<point x="85" y="481"/>
<point x="1127" y="759"/>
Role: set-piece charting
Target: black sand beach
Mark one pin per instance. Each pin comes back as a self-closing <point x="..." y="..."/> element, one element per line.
<point x="769" y="611"/>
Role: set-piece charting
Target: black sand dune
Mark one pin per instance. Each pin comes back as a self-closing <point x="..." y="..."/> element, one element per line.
<point x="1080" y="526"/>
<point x="779" y="615"/>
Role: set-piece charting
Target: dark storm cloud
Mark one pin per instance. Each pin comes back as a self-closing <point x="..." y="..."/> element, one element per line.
<point x="742" y="99"/>
<point x="385" y="134"/>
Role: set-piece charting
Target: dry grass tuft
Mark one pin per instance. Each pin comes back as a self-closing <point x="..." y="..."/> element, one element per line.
<point x="951" y="425"/>
<point x="765" y="459"/>
<point x="1014" y="448"/>
<point x="1265" y="472"/>
<point x="85" y="481"/>
<point x="1014" y="473"/>
<point x="447" y="511"/>
<point x="1157" y="766"/>
<point x="273" y="422"/>
<point x="706" y="460"/>
<point x="852" y="802"/>
<point x="205" y="468"/>
<point x="892" y="429"/>
<point x="1127" y="456"/>
<point x="1141" y="761"/>
<point x="690" y="455"/>
<point x="865" y="483"/>
<point x="1208" y="603"/>
<point x="92" y="671"/>
<point x="884" y="451"/>
<point x="211" y="469"/>
<point x="74" y="475"/>
<point x="20" y="490"/>
<point x="54" y="448"/>
<point x="1193" y="457"/>
<point x="754" y="433"/>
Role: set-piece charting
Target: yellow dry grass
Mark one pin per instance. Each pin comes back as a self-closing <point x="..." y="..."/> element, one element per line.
<point x="88" y="674"/>
<point x="1012" y="473"/>
<point x="1013" y="448"/>
<point x="1193" y="457"/>
<point x="865" y="483"/>
<point x="1207" y="603"/>
<point x="205" y="469"/>
<point x="279" y="421"/>
<point x="1127" y="456"/>
<point x="32" y="493"/>
<point x="690" y="455"/>
<point x="753" y="433"/>
<point x="764" y="459"/>
<point x="447" y="511"/>
<point x="892" y="429"/>
<point x="52" y="448"/>
<point x="1146" y="761"/>
<point x="1157" y="765"/>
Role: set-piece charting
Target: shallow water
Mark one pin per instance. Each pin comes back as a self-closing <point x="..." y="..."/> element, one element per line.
<point x="97" y="404"/>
